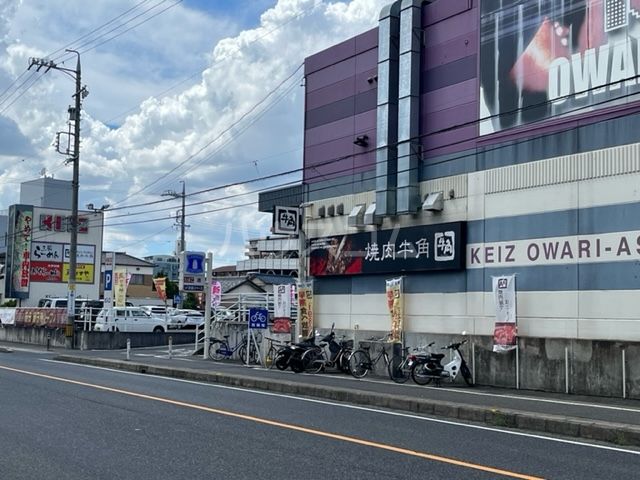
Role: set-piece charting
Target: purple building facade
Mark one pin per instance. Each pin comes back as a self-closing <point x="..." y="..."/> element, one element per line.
<point x="464" y="143"/>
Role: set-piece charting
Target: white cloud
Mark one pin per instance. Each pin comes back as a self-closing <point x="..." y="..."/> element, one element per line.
<point x="163" y="133"/>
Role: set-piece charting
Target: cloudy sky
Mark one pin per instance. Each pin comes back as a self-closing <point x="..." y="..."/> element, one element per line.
<point x="205" y="92"/>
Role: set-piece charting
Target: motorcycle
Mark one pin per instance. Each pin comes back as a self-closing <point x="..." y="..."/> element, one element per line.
<point x="310" y="357"/>
<point x="284" y="356"/>
<point x="428" y="368"/>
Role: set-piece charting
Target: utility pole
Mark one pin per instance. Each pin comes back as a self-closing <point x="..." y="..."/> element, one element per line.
<point x="180" y="216"/>
<point x="74" y="116"/>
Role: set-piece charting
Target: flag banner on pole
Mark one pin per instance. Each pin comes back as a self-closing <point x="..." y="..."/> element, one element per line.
<point x="396" y="308"/>
<point x="161" y="287"/>
<point x="305" y="308"/>
<point x="216" y="293"/>
<point x="120" y="286"/>
<point x="506" y="328"/>
<point x="282" y="301"/>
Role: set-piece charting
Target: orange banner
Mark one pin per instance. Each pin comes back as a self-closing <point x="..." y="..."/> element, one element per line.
<point x="161" y="287"/>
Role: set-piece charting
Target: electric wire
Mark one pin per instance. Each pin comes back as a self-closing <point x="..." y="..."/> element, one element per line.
<point x="315" y="190"/>
<point x="216" y="138"/>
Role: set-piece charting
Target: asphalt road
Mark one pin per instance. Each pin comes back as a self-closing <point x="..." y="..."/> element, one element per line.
<point x="68" y="421"/>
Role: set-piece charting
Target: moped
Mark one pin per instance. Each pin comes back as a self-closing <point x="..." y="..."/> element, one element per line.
<point x="290" y="355"/>
<point x="427" y="368"/>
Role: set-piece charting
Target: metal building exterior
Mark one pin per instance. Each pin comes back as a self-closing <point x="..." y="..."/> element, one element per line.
<point x="512" y="125"/>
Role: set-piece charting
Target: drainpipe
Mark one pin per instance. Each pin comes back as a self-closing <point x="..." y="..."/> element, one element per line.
<point x="409" y="149"/>
<point x="387" y="109"/>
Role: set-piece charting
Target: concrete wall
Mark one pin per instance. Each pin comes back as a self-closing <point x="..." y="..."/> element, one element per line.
<point x="92" y="340"/>
<point x="594" y="367"/>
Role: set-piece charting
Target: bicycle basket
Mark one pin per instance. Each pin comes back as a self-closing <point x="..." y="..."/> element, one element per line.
<point x="346" y="343"/>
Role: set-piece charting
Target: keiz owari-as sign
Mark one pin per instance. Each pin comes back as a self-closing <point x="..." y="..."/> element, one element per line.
<point x="429" y="247"/>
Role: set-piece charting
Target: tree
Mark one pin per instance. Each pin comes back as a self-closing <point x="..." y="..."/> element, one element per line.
<point x="190" y="301"/>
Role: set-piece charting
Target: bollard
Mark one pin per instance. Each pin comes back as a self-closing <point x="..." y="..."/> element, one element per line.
<point x="170" y="346"/>
<point x="128" y="349"/>
<point x="48" y="341"/>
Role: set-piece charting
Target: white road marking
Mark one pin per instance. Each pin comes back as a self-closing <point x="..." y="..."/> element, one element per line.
<point x="365" y="409"/>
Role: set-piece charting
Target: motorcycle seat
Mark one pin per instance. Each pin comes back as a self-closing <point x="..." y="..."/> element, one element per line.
<point x="437" y="356"/>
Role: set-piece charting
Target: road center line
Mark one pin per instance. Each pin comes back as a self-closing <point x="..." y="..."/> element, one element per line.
<point x="359" y="407"/>
<point x="273" y="423"/>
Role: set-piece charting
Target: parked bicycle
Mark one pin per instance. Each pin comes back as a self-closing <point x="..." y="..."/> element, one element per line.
<point x="219" y="349"/>
<point x="272" y="351"/>
<point x="399" y="367"/>
<point x="317" y="359"/>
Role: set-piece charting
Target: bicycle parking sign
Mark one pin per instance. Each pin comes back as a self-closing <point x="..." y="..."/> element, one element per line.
<point x="258" y="317"/>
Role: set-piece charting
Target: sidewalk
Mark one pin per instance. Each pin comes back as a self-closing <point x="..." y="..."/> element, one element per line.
<point x="605" y="419"/>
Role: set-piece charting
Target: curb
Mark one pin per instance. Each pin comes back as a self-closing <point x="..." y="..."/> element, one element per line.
<point x="610" y="432"/>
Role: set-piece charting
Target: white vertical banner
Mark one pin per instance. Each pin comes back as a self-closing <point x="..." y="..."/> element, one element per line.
<point x="282" y="301"/>
<point x="506" y="330"/>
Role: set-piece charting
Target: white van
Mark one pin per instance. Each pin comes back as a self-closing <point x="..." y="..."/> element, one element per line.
<point x="59" y="303"/>
<point x="129" y="319"/>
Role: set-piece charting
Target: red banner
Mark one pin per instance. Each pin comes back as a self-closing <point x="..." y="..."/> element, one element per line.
<point x="41" y="317"/>
<point x="46" y="272"/>
<point x="161" y="287"/>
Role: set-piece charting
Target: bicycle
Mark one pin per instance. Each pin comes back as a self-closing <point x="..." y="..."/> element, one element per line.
<point x="316" y="359"/>
<point x="360" y="361"/>
<point x="398" y="367"/>
<point x="219" y="349"/>
<point x="272" y="351"/>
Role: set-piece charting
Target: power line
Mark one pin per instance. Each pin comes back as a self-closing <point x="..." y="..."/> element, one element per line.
<point x="206" y="145"/>
<point x="95" y="30"/>
<point x="181" y="82"/>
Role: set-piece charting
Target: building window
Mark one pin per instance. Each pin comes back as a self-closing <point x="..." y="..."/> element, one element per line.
<point x="137" y="279"/>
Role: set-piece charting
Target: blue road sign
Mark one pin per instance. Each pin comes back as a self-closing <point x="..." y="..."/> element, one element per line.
<point x="258" y="317"/>
<point x="194" y="263"/>
<point x="177" y="299"/>
<point x="108" y="280"/>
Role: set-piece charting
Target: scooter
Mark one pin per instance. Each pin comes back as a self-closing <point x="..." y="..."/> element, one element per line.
<point x="289" y="355"/>
<point x="305" y="358"/>
<point x="428" y="368"/>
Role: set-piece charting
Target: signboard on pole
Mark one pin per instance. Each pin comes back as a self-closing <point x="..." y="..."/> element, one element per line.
<point x="18" y="257"/>
<point x="506" y="330"/>
<point x="258" y="318"/>
<point x="192" y="272"/>
<point x="109" y="269"/>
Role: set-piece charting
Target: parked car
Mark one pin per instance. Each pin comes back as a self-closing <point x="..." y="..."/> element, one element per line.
<point x="50" y="302"/>
<point x="157" y="310"/>
<point x="129" y="319"/>
<point x="186" y="319"/>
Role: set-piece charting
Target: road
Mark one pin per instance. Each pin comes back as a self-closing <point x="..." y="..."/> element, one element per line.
<point x="60" y="420"/>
